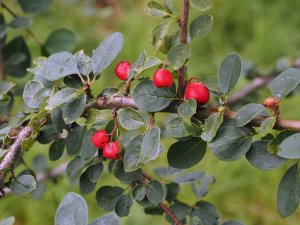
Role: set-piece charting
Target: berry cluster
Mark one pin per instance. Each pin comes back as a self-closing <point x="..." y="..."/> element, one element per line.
<point x="110" y="149"/>
<point x="163" y="78"/>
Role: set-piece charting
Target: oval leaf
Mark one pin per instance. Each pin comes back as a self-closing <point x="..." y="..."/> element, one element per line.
<point x="23" y="184"/>
<point x="106" y="52"/>
<point x="107" y="196"/>
<point x="123" y="205"/>
<point x="229" y="72"/>
<point x="178" y="55"/>
<point x="200" y="26"/>
<point x="285" y="82"/>
<point x="150" y="98"/>
<point x="72" y="211"/>
<point x="202" y="5"/>
<point x="249" y="112"/>
<point x="107" y="219"/>
<point x="290" y="147"/>
<point x="185" y="154"/>
<point x="155" y="191"/>
<point x="130" y="119"/>
<point x="211" y="126"/>
<point x="32" y="87"/>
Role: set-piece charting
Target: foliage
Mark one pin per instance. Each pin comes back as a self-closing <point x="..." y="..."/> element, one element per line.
<point x="61" y="109"/>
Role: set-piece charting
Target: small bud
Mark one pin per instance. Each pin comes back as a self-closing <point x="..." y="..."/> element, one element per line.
<point x="271" y="102"/>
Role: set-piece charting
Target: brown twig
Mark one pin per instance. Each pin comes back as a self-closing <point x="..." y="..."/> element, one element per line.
<point x="170" y="213"/>
<point x="256" y="83"/>
<point x="183" y="39"/>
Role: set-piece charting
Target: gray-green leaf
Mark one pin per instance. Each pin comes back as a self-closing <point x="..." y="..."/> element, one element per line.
<point x="23" y="184"/>
<point x="290" y="147"/>
<point x="155" y="191"/>
<point x="200" y="26"/>
<point x="229" y="72"/>
<point x="249" y="112"/>
<point x="178" y="55"/>
<point x="211" y="126"/>
<point x="130" y="119"/>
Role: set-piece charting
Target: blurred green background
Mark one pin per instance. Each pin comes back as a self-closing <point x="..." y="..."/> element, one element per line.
<point x="259" y="30"/>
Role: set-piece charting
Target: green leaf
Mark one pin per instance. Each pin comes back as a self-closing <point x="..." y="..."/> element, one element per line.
<point x="126" y="177"/>
<point x="84" y="63"/>
<point x="74" y="140"/>
<point x="85" y="184"/>
<point x="169" y="5"/>
<point x="137" y="65"/>
<point x="232" y="222"/>
<point x="20" y="22"/>
<point x="201" y="5"/>
<point x="130" y="119"/>
<point x="185" y="154"/>
<point x="107" y="197"/>
<point x="3" y="29"/>
<point x="260" y="158"/>
<point x="274" y="144"/>
<point x="149" y="98"/>
<point x="60" y="40"/>
<point x="188" y="177"/>
<point x="158" y="34"/>
<point x="180" y="210"/>
<point x="123" y="205"/>
<point x="139" y="192"/>
<point x="231" y="142"/>
<point x="73" y="109"/>
<point x="59" y="65"/>
<point x="88" y="150"/>
<point x="23" y="184"/>
<point x="206" y="212"/>
<point x="72" y="210"/>
<point x="173" y="190"/>
<point x="47" y="133"/>
<point x="176" y="129"/>
<point x="285" y="82"/>
<point x="289" y="147"/>
<point x="5" y="87"/>
<point x="267" y="126"/>
<point x="35" y="6"/>
<point x="201" y="186"/>
<point x="107" y="219"/>
<point x="95" y="171"/>
<point x="249" y="112"/>
<point x="132" y="154"/>
<point x="8" y="221"/>
<point x="150" y="146"/>
<point x="157" y="10"/>
<point x="17" y="57"/>
<point x="40" y="163"/>
<point x="106" y="52"/>
<point x="101" y="117"/>
<point x="74" y="167"/>
<point x="149" y="62"/>
<point x="211" y="126"/>
<point x="32" y="87"/>
<point x="288" y="192"/>
<point x="178" y="55"/>
<point x="187" y="108"/>
<point x="155" y="191"/>
<point x="200" y="26"/>
<point x="165" y="172"/>
<point x="61" y="97"/>
<point x="56" y="149"/>
<point x="229" y="72"/>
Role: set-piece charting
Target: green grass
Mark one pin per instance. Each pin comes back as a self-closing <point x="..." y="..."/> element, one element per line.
<point x="260" y="31"/>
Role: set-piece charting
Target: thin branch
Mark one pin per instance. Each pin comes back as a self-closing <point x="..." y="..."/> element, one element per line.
<point x="117" y="102"/>
<point x="170" y="213"/>
<point x="256" y="83"/>
<point x="183" y="39"/>
<point x="10" y="158"/>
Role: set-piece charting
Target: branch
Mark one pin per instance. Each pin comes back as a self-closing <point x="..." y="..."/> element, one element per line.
<point x="183" y="39"/>
<point x="170" y="213"/>
<point x="10" y="158"/>
<point x="117" y="102"/>
<point x="252" y="87"/>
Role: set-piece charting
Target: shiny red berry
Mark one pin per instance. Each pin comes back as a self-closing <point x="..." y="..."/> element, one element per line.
<point x="122" y="70"/>
<point x="197" y="91"/>
<point x="163" y="78"/>
<point x="100" y="138"/>
<point x="111" y="150"/>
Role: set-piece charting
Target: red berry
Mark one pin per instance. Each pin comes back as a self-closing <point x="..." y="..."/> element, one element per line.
<point x="100" y="138"/>
<point x="122" y="70"/>
<point x="163" y="78"/>
<point x="111" y="150"/>
<point x="197" y="91"/>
